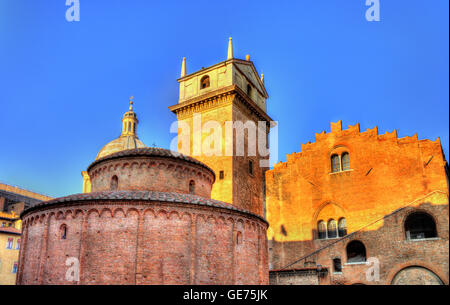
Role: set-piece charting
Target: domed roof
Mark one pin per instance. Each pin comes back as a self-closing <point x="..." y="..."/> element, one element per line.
<point x="119" y="144"/>
<point x="128" y="139"/>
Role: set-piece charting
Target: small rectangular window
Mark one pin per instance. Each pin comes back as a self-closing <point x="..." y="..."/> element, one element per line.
<point x="337" y="265"/>
<point x="250" y="167"/>
<point x="18" y="244"/>
<point x="221" y="175"/>
<point x="9" y="243"/>
<point x="15" y="266"/>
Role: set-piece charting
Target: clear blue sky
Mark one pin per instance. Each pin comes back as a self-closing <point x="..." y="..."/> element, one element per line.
<point x="65" y="86"/>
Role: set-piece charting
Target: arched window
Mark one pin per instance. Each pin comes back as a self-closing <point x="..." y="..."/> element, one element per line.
<point x="342" y="227"/>
<point x="356" y="252"/>
<point x="332" y="228"/>
<point x="134" y="127"/>
<point x="321" y="230"/>
<point x="204" y="82"/>
<point x="191" y="187"/>
<point x="114" y="183"/>
<point x="420" y="225"/>
<point x="335" y="164"/>
<point x="238" y="237"/>
<point x="345" y="157"/>
<point x="63" y="231"/>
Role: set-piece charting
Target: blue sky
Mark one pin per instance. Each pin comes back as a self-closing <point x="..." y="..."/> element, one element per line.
<point x="64" y="86"/>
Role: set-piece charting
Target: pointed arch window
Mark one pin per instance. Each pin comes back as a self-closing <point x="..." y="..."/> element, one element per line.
<point x="340" y="162"/>
<point x="321" y="230"/>
<point x="345" y="157"/>
<point x="335" y="164"/>
<point x="342" y="227"/>
<point x="204" y="82"/>
<point x="332" y="228"/>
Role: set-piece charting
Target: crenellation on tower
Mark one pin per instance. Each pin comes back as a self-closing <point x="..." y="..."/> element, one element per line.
<point x="336" y="127"/>
<point x="370" y="132"/>
<point x="388" y="135"/>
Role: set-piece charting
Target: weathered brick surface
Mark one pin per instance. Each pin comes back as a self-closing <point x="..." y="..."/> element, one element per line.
<point x="387" y="244"/>
<point x="178" y="244"/>
<point x="238" y="186"/>
<point x="386" y="174"/>
<point x="150" y="231"/>
<point x="150" y="172"/>
<point x="294" y="277"/>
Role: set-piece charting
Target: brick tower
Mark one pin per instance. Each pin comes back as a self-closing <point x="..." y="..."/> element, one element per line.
<point x="220" y="100"/>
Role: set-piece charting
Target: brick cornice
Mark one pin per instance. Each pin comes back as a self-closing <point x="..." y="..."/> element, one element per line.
<point x="135" y="197"/>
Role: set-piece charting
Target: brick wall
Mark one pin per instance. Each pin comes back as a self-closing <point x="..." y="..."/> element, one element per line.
<point x="386" y="174"/>
<point x="388" y="244"/>
<point x="134" y="242"/>
<point x="151" y="173"/>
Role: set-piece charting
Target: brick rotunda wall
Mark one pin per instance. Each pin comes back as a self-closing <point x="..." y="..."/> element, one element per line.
<point x="151" y="169"/>
<point x="143" y="237"/>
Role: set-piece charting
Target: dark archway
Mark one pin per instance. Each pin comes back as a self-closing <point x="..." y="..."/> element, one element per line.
<point x="356" y="252"/>
<point x="420" y="225"/>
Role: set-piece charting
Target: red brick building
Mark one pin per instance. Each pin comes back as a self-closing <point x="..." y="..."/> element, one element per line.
<point x="358" y="202"/>
<point x="148" y="220"/>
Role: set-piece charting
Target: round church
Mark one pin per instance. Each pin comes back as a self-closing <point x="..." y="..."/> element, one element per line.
<point x="148" y="219"/>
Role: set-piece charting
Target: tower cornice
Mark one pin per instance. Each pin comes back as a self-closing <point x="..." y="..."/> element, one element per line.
<point x="211" y="99"/>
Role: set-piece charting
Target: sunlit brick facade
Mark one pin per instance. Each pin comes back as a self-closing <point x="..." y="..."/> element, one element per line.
<point x="148" y="220"/>
<point x="230" y="91"/>
<point x="351" y="185"/>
